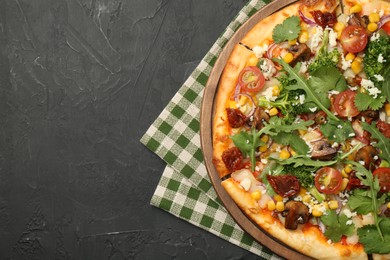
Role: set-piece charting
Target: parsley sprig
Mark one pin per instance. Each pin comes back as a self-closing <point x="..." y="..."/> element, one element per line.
<point x="288" y="30"/>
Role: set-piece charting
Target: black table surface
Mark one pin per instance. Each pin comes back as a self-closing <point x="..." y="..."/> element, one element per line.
<point x="80" y="83"/>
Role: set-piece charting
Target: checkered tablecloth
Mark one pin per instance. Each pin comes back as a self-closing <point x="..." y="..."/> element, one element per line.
<point x="185" y="189"/>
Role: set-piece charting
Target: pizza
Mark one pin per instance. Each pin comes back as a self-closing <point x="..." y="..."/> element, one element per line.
<point x="301" y="127"/>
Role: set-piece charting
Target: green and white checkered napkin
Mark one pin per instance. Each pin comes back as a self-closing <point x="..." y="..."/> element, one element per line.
<point x="185" y="189"/>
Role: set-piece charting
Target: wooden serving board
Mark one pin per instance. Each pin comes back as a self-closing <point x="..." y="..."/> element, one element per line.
<point x="207" y="112"/>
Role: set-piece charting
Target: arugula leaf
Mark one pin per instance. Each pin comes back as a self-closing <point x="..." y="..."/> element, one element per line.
<point x="300" y="160"/>
<point x="336" y="225"/>
<point x="372" y="239"/>
<point x="304" y="85"/>
<point x="383" y="142"/>
<point x="363" y="101"/>
<point x="337" y="131"/>
<point x="288" y="30"/>
<point x="293" y="140"/>
<point x="277" y="125"/>
<point x="386" y="84"/>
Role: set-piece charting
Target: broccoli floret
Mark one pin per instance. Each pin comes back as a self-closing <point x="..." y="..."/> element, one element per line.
<point x="376" y="52"/>
<point x="325" y="58"/>
<point x="303" y="173"/>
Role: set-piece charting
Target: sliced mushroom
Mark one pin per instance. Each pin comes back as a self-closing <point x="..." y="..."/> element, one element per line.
<point x="259" y="117"/>
<point x="300" y="52"/>
<point x="367" y="156"/>
<point x="322" y="150"/>
<point x="296" y="213"/>
<point x="369" y="115"/>
<point x="356" y="19"/>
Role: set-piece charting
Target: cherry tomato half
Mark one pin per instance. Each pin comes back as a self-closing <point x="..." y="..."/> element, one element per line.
<point x="344" y="104"/>
<point x="386" y="27"/>
<point x="328" y="180"/>
<point x="251" y="79"/>
<point x="383" y="174"/>
<point x="354" y="38"/>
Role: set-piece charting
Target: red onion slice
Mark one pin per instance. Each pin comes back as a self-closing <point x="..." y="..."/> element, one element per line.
<point x="236" y="96"/>
<point x="270" y="50"/>
<point x="306" y="19"/>
<point x="384" y="20"/>
<point x="237" y="92"/>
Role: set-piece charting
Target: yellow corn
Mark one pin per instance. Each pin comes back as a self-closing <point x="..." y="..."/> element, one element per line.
<point x="333" y="204"/>
<point x="303" y="25"/>
<point x="344" y="183"/>
<point x="302" y="132"/>
<point x="348" y="168"/>
<point x="306" y="198"/>
<point x="264" y="138"/>
<point x="278" y="197"/>
<point x="292" y="42"/>
<point x="275" y="90"/>
<point x="242" y="101"/>
<point x="374" y="17"/>
<point x="303" y="36"/>
<point x="387" y="109"/>
<point x="271" y="205"/>
<point x="350" y="56"/>
<point x="256" y="195"/>
<point x="339" y="27"/>
<point x="292" y="152"/>
<point x="388" y="205"/>
<point x="325" y="204"/>
<point x="356" y="66"/>
<point x="359" y="59"/>
<point x="316" y="212"/>
<point x="356" y="9"/>
<point x="279" y="206"/>
<point x="273" y="111"/>
<point x="263" y="148"/>
<point x="288" y="57"/>
<point x="344" y="173"/>
<point x="372" y="27"/>
<point x="284" y="154"/>
<point x="302" y="192"/>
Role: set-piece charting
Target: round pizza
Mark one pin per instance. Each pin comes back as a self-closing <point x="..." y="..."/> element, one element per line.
<point x="301" y="127"/>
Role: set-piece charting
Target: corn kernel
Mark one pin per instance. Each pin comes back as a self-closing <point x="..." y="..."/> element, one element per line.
<point x="302" y="132"/>
<point x="292" y="152"/>
<point x="356" y="66"/>
<point x="325" y="205"/>
<point x="284" y="154"/>
<point x="292" y="42"/>
<point x="374" y="17"/>
<point x="271" y="205"/>
<point x="277" y="197"/>
<point x="303" y="37"/>
<point x="339" y="27"/>
<point x="263" y="148"/>
<point x="279" y="206"/>
<point x="339" y="34"/>
<point x="333" y="204"/>
<point x="344" y="183"/>
<point x="344" y="173"/>
<point x="303" y="25"/>
<point x="306" y="198"/>
<point x="372" y="27"/>
<point x="256" y="195"/>
<point x="356" y="9"/>
<point x="388" y="205"/>
<point x="273" y="111"/>
<point x="288" y="57"/>
<point x="387" y="109"/>
<point x="350" y="56"/>
<point x="264" y="138"/>
<point x="348" y="168"/>
<point x="275" y="90"/>
<point x="302" y="192"/>
<point x="316" y="211"/>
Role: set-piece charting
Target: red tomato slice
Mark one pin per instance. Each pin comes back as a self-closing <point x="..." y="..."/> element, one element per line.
<point x="386" y="27"/>
<point x="251" y="79"/>
<point x="328" y="180"/>
<point x="383" y="174"/>
<point x="344" y="104"/>
<point x="354" y="38"/>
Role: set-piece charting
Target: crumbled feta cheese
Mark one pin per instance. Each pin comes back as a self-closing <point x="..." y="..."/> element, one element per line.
<point x="361" y="162"/>
<point x="303" y="67"/>
<point x="349" y="222"/>
<point x="351" y="135"/>
<point x="379" y="77"/>
<point x="339" y="126"/>
<point x="370" y="87"/>
<point x="246" y="183"/>
<point x="381" y="13"/>
<point x="257" y="168"/>
<point x="375" y="36"/>
<point x="345" y="64"/>
<point x="317" y="37"/>
<point x="353" y="88"/>
<point x="264" y="161"/>
<point x="268" y="69"/>
<point x="380" y="58"/>
<point x="332" y="37"/>
<point x="335" y="144"/>
<point x="260" y="50"/>
<point x="267" y="93"/>
<point x="313" y="109"/>
<point x="301" y="99"/>
<point x="333" y="92"/>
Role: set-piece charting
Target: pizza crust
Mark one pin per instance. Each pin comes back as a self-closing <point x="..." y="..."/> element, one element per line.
<point x="308" y="240"/>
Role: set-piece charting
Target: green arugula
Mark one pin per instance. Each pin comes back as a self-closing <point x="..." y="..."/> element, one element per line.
<point x="288" y="30"/>
<point x="296" y="142"/>
<point x="363" y="101"/>
<point x="372" y="240"/>
<point x="302" y="83"/>
<point x="383" y="143"/>
<point x="249" y="142"/>
<point x="337" y="131"/>
<point x="386" y="84"/>
<point x="336" y="225"/>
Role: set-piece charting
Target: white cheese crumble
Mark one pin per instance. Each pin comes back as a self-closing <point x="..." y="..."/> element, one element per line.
<point x="370" y="87"/>
<point x="257" y="168"/>
<point x="267" y="93"/>
<point x="375" y="36"/>
<point x="301" y="99"/>
<point x="260" y="50"/>
<point x="349" y="222"/>
<point x="317" y="37"/>
<point x="379" y="77"/>
<point x="345" y="64"/>
<point x="303" y="67"/>
<point x="268" y="69"/>
<point x="332" y="37"/>
<point x="313" y="109"/>
<point x="264" y="161"/>
<point x="380" y="58"/>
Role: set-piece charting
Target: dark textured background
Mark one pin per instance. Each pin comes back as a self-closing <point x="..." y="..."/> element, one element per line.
<point x="80" y="82"/>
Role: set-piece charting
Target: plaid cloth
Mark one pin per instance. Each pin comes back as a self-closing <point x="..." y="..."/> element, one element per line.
<point x="185" y="189"/>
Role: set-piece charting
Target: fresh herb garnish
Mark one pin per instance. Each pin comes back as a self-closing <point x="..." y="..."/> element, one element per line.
<point x="336" y="225"/>
<point x="337" y="131"/>
<point x="383" y="143"/>
<point x="363" y="101"/>
<point x="293" y="140"/>
<point x="288" y="30"/>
